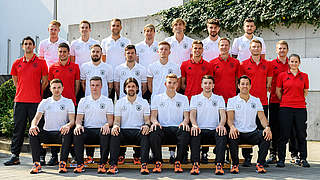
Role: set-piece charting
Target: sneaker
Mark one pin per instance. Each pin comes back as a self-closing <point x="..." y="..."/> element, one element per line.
<point x="121" y="160"/>
<point x="14" y="160"/>
<point x="62" y="167"/>
<point x="204" y="158"/>
<point x="113" y="170"/>
<point x="144" y="169"/>
<point x="234" y="169"/>
<point x="247" y="162"/>
<point x="280" y="164"/>
<point x="304" y="163"/>
<point x="295" y="160"/>
<point x="219" y="169"/>
<point x="79" y="169"/>
<point x="42" y="160"/>
<point x="272" y="159"/>
<point x="89" y="160"/>
<point x="157" y="167"/>
<point x="172" y="159"/>
<point x="177" y="167"/>
<point x="136" y="160"/>
<point x="195" y="169"/>
<point x="102" y="169"/>
<point x="260" y="168"/>
<point x="53" y="161"/>
<point x="36" y="168"/>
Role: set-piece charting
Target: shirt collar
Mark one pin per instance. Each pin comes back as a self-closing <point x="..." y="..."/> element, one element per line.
<point x="228" y="59"/>
<point x="67" y="64"/>
<point x="31" y="60"/>
<point x="200" y="62"/>
<point x="239" y="99"/>
<point x="252" y="61"/>
<point x="289" y="72"/>
<point x="278" y="60"/>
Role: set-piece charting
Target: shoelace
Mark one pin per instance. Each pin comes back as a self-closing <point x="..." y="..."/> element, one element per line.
<point x="36" y="165"/>
<point x="158" y="165"/>
<point x="79" y="166"/>
<point x="178" y="165"/>
<point x="144" y="166"/>
<point x="62" y="165"/>
<point x="219" y="166"/>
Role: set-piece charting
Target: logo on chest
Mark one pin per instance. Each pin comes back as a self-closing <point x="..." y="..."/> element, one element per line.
<point x="62" y="107"/>
<point x="238" y="107"/>
<point x="178" y="104"/>
<point x="137" y="73"/>
<point x="35" y="65"/>
<point x="102" y="106"/>
<point x="155" y="49"/>
<point x="123" y="73"/>
<point x="122" y="44"/>
<point x="138" y="107"/>
<point x="185" y="46"/>
<point x="102" y="72"/>
<point x="253" y="105"/>
<point x="232" y="65"/>
<point x="170" y="71"/>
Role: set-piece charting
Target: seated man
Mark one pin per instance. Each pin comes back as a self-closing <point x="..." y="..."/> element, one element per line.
<point x="242" y="111"/>
<point x="57" y="111"/>
<point x="170" y="119"/>
<point x="131" y="125"/>
<point x="205" y="110"/>
<point x="96" y="113"/>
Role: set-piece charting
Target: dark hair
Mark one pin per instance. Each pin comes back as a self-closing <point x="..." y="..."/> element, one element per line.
<point x="96" y="45"/>
<point x="96" y="78"/>
<point x="244" y="77"/>
<point x="56" y="81"/>
<point x="197" y="42"/>
<point x="85" y="22"/>
<point x="207" y="77"/>
<point x="214" y="21"/>
<point x="295" y="55"/>
<point x="130" y="46"/>
<point x="115" y="20"/>
<point x="28" y="38"/>
<point x="64" y="45"/>
<point x="130" y="80"/>
<point x="248" y="20"/>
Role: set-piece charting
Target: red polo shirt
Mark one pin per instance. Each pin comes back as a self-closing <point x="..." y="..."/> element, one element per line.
<point x="258" y="75"/>
<point x="225" y="73"/>
<point x="277" y="67"/>
<point x="29" y="75"/>
<point x="292" y="88"/>
<point x="193" y="72"/>
<point x="68" y="74"/>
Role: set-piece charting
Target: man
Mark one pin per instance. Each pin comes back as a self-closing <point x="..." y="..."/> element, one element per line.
<point x="30" y="77"/>
<point x="95" y="112"/>
<point x="170" y="123"/>
<point x="208" y="117"/>
<point x="210" y="44"/>
<point x="80" y="48"/>
<point x="59" y="114"/>
<point x="260" y="72"/>
<point x="180" y="43"/>
<point x="242" y="111"/>
<point x="240" y="47"/>
<point x="131" y="126"/>
<point x="48" y="48"/>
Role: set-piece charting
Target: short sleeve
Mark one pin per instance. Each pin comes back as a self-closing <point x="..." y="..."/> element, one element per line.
<point x="14" y="71"/>
<point x="41" y="107"/>
<point x="44" y="68"/>
<point x="103" y="46"/>
<point x="116" y="74"/>
<point x="117" y="109"/>
<point x="144" y="75"/>
<point x="230" y="105"/>
<point x="193" y="103"/>
<point x="270" y="70"/>
<point x="146" y="108"/>
<point x="72" y="49"/>
<point x="81" y="106"/>
<point x="242" y="69"/>
<point x="70" y="107"/>
<point x="182" y="68"/>
<point x="280" y="80"/>
<point x="110" y="74"/>
<point x="178" y="72"/>
<point x="77" y="72"/>
<point x="186" y="104"/>
<point x="259" y="105"/>
<point x="50" y="75"/>
<point x="149" y="72"/>
<point x="235" y="48"/>
<point x="83" y="72"/>
<point x="306" y="82"/>
<point x="221" y="103"/>
<point x="110" y="108"/>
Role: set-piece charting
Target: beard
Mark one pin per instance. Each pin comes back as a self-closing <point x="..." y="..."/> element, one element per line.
<point x="131" y="93"/>
<point x="95" y="59"/>
<point x="213" y="34"/>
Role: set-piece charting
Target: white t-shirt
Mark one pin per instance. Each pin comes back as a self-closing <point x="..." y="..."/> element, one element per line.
<point x="95" y="111"/>
<point x="147" y="54"/>
<point x="103" y="70"/>
<point x="81" y="50"/>
<point x="123" y="72"/>
<point x="245" y="113"/>
<point x="132" y="115"/>
<point x="49" y="50"/>
<point x="114" y="50"/>
<point x="207" y="110"/>
<point x="170" y="111"/>
<point x="241" y="46"/>
<point x="56" y="112"/>
<point x="179" y="51"/>
<point x="158" y="72"/>
<point x="210" y="49"/>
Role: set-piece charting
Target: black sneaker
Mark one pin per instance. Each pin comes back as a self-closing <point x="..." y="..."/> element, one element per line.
<point x="204" y="158"/>
<point x="272" y="159"/>
<point x="14" y="160"/>
<point x="247" y="162"/>
<point x="53" y="161"/>
<point x="42" y="160"/>
<point x="295" y="160"/>
<point x="304" y="163"/>
<point x="280" y="164"/>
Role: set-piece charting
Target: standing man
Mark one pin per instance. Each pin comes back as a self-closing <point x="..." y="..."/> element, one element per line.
<point x="180" y="43"/>
<point x="30" y="77"/>
<point x="210" y="44"/>
<point x="240" y="47"/>
<point x="131" y="126"/>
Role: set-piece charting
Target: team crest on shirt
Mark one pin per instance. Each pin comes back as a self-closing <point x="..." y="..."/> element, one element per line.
<point x="102" y="106"/>
<point x="86" y="106"/>
<point x="178" y="104"/>
<point x="109" y="44"/>
<point x="123" y="73"/>
<point x="138" y="107"/>
<point x="206" y="47"/>
<point x="199" y="104"/>
<point x="253" y="105"/>
<point x="137" y="73"/>
<point x="123" y="108"/>
<point x="57" y="70"/>
<point x="155" y="49"/>
<point x="62" y="107"/>
<point x="232" y="65"/>
<point x="301" y="78"/>
<point x="275" y="67"/>
<point x="102" y="72"/>
<point x="214" y="103"/>
<point x="162" y="104"/>
<point x="249" y="68"/>
<point x="238" y="106"/>
<point x="35" y="65"/>
<point x="185" y="46"/>
<point x="217" y="67"/>
<point x="48" y="107"/>
<point x="156" y="73"/>
<point x="19" y="66"/>
<point x="203" y="68"/>
<point x="264" y="67"/>
<point x="170" y="71"/>
<point x="70" y="70"/>
<point x="122" y="44"/>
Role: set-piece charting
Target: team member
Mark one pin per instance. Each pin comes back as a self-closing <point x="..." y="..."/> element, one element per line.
<point x="210" y="44"/>
<point x="96" y="113"/>
<point x="48" y="48"/>
<point x="193" y="70"/>
<point x="59" y="114"/>
<point x="131" y="125"/>
<point x="80" y="48"/>
<point x="30" y="77"/>
<point x="240" y="47"/>
<point x="292" y="88"/>
<point x="170" y="119"/>
<point x="158" y="71"/>
<point x="180" y="43"/>
<point x="260" y="72"/>
<point x="205" y="111"/>
<point x="242" y="111"/>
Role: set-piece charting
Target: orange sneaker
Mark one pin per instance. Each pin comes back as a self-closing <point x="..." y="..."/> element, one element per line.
<point x="177" y="167"/>
<point x="113" y="170"/>
<point x="260" y="168"/>
<point x="219" y="169"/>
<point x="36" y="168"/>
<point x="79" y="168"/>
<point x="89" y="160"/>
<point x="234" y="169"/>
<point x="144" y="169"/>
<point x="121" y="160"/>
<point x="62" y="167"/>
<point x="102" y="169"/>
<point x="195" y="169"/>
<point x="157" y="167"/>
<point x="136" y="160"/>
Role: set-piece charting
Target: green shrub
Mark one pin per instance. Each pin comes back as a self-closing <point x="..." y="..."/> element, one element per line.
<point x="7" y="93"/>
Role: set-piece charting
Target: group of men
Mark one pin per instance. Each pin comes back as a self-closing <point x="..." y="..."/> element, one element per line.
<point x="191" y="84"/>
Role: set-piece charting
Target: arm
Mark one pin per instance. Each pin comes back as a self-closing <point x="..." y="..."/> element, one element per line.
<point x="44" y="82"/>
<point x="66" y="128"/>
<point x="149" y="80"/>
<point x="105" y="129"/>
<point x="223" y="118"/>
<point x="116" y="126"/>
<point x="79" y="128"/>
<point x="117" y="88"/>
<point x="34" y="124"/>
<point x="264" y="122"/>
<point x="278" y="93"/>
<point x="179" y="84"/>
<point x="185" y="122"/>
<point x="83" y="85"/>
<point x="183" y="83"/>
<point x="145" y="127"/>
<point x="269" y="81"/>
<point x="110" y="87"/>
<point x="305" y="92"/>
<point x="195" y="130"/>
<point x="144" y="87"/>
<point x="72" y="58"/>
<point x="234" y="132"/>
<point x="154" y="121"/>
<point x="77" y="86"/>
<point x="15" y="80"/>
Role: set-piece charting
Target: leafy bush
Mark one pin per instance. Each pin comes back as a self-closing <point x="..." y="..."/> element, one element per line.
<point x="7" y="93"/>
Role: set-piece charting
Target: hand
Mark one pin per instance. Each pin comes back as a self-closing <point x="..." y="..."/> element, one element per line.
<point x="267" y="133"/>
<point x="234" y="132"/>
<point x="221" y="130"/>
<point x="105" y="129"/>
<point x="65" y="129"/>
<point x="115" y="130"/>
<point x="195" y="130"/>
<point x="78" y="129"/>
<point x="185" y="126"/>
<point x="154" y="126"/>
<point x="145" y="129"/>
<point x="34" y="130"/>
